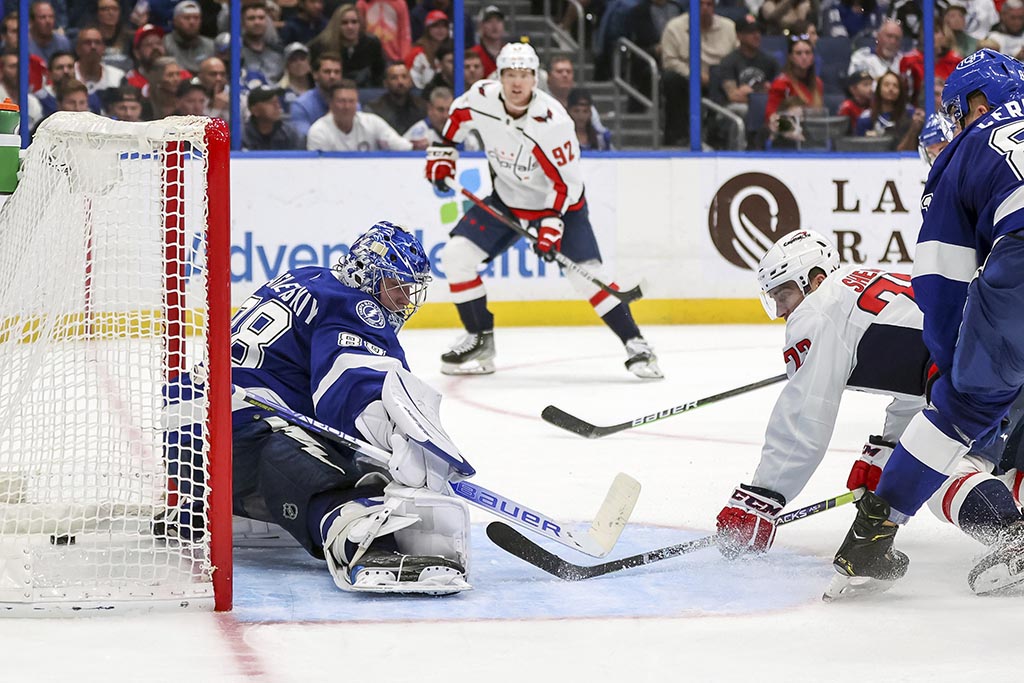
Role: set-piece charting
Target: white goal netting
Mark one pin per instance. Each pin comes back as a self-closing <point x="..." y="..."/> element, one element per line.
<point x="104" y="442"/>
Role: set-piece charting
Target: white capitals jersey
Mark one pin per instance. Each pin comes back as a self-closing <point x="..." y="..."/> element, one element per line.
<point x="534" y="158"/>
<point x="860" y="330"/>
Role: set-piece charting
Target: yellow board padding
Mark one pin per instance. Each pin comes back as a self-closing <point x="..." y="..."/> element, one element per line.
<point x="646" y="312"/>
<point x="142" y="324"/>
<point x="95" y="326"/>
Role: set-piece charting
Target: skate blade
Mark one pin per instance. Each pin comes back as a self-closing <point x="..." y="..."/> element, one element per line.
<point x="382" y="581"/>
<point x="845" y="587"/>
<point x="646" y="371"/>
<point x="473" y="367"/>
<point x="998" y="580"/>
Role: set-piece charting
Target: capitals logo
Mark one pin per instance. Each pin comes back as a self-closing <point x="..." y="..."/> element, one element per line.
<point x="370" y="313"/>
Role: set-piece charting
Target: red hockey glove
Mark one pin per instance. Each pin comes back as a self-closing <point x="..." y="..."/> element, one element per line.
<point x="441" y="165"/>
<point x="549" y="237"/>
<point x="747" y="524"/>
<point x="868" y="469"/>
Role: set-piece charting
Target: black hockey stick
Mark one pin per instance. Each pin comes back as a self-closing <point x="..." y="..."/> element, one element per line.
<point x="560" y="418"/>
<point x="511" y="541"/>
<point x="560" y="258"/>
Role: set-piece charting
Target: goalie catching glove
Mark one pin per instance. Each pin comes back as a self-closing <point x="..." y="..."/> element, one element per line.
<point x="441" y="165"/>
<point x="407" y="422"/>
<point x="747" y="524"/>
<point x="868" y="469"/>
<point x="549" y="237"/>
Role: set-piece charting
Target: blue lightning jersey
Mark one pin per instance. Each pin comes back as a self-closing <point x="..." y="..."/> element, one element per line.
<point x="974" y="195"/>
<point x="316" y="345"/>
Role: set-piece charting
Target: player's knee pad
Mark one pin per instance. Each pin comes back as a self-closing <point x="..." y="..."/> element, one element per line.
<point x="422" y="522"/>
<point x="975" y="501"/>
<point x="460" y="260"/>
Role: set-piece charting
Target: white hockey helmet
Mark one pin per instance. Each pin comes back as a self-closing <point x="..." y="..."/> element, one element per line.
<point x="792" y="259"/>
<point x="518" y="56"/>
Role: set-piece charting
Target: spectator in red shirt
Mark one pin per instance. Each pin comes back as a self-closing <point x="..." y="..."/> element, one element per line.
<point x="797" y="79"/>
<point x="389" y="21"/>
<point x="420" y="59"/>
<point x="147" y="46"/>
<point x="860" y="87"/>
<point x="946" y="59"/>
<point x="492" y="38"/>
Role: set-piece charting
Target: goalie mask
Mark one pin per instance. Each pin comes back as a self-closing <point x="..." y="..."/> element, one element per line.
<point x="792" y="259"/>
<point x="389" y="264"/>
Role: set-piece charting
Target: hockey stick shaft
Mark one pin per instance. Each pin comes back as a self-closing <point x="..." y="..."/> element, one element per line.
<point x="560" y="258"/>
<point x="560" y="418"/>
<point x="611" y="518"/>
<point x="511" y="541"/>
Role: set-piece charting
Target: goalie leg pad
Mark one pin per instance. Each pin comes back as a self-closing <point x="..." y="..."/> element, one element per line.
<point x="431" y="532"/>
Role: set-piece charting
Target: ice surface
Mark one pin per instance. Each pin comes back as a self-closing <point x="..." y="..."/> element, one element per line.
<point x="692" y="618"/>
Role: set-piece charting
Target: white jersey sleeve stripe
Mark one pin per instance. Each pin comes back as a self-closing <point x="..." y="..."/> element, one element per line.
<point x="1014" y="202"/>
<point x="930" y="446"/>
<point x="949" y="261"/>
<point x="349" y="361"/>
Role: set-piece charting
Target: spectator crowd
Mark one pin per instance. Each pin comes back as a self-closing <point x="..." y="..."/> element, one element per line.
<point x="331" y="75"/>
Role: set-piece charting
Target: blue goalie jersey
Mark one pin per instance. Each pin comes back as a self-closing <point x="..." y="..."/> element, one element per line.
<point x="974" y="196"/>
<point x="318" y="346"/>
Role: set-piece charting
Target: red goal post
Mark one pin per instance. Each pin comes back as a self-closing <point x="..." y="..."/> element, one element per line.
<point x="115" y="417"/>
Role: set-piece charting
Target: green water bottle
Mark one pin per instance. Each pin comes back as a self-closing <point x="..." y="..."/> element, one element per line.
<point x="10" y="146"/>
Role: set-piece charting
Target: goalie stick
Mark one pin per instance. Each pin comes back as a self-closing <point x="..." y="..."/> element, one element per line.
<point x="598" y="541"/>
<point x="559" y="258"/>
<point x="511" y="541"/>
<point x="560" y="418"/>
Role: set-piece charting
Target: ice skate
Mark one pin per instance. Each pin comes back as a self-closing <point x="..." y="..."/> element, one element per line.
<point x="867" y="562"/>
<point x="471" y="354"/>
<point x="386" y="571"/>
<point x="1002" y="567"/>
<point x="642" y="362"/>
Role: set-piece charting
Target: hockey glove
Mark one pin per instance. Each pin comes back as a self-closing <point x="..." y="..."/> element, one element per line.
<point x="414" y="466"/>
<point x="868" y="469"/>
<point x="747" y="524"/>
<point x="441" y="165"/>
<point x="549" y="237"/>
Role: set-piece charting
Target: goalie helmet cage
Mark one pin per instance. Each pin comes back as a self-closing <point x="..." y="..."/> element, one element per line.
<point x="115" y="423"/>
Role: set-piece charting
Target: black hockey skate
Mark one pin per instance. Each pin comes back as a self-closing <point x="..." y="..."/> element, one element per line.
<point x="642" y="362"/>
<point x="472" y="354"/>
<point x="388" y="571"/>
<point x="866" y="561"/>
<point x="1001" y="570"/>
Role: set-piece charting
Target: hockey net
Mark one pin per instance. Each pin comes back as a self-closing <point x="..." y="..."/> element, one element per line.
<point x="114" y="369"/>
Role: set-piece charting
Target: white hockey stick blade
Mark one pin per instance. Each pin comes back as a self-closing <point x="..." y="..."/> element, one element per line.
<point x="611" y="519"/>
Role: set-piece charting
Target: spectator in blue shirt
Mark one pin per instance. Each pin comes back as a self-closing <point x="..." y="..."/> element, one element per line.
<point x="43" y="40"/>
<point x="312" y="105"/>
